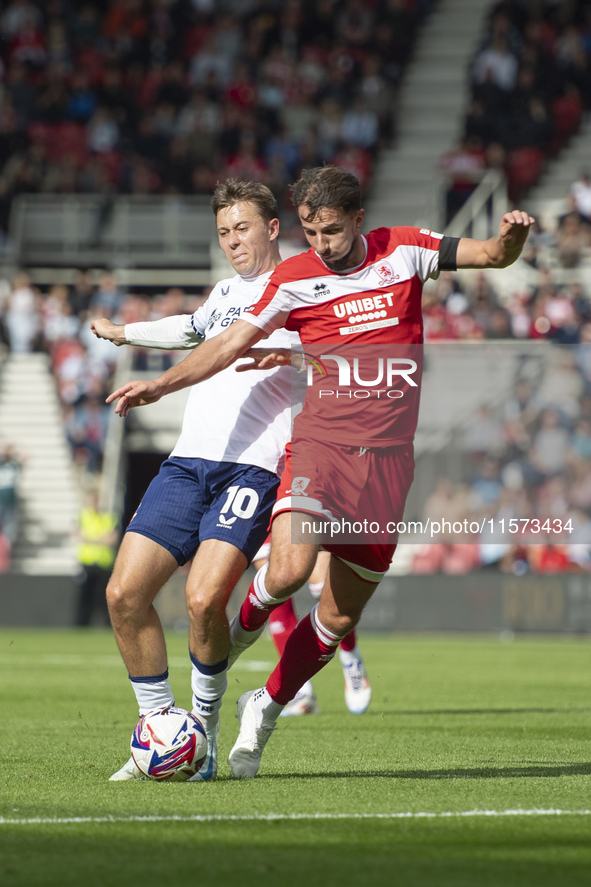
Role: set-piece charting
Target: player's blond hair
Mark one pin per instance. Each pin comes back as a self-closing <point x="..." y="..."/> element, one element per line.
<point x="234" y="191"/>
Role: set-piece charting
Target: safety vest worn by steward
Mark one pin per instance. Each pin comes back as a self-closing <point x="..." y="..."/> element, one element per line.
<point x="94" y="525"/>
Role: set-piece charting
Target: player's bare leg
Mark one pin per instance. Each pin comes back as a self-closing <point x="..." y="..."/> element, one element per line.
<point x="215" y="570"/>
<point x="293" y="555"/>
<point x="284" y="619"/>
<point x="319" y="573"/>
<point x="282" y="622"/>
<point x="289" y="566"/>
<point x="357" y="685"/>
<point x="141" y="569"/>
<point x="309" y="648"/>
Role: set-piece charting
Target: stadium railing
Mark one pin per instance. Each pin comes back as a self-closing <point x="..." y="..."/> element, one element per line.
<point x="74" y="230"/>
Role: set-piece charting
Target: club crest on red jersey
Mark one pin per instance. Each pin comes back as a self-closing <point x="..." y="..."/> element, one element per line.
<point x="298" y="485"/>
<point x="386" y="273"/>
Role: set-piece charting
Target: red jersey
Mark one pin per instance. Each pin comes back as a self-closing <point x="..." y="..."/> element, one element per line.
<point x="361" y="333"/>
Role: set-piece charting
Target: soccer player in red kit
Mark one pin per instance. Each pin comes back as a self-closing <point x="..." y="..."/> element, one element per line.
<point x="283" y="620"/>
<point x="355" y="301"/>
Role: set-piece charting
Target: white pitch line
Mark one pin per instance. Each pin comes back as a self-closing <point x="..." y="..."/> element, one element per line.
<point x="289" y="817"/>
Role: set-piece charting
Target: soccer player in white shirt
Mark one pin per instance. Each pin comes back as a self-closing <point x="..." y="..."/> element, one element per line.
<point x="361" y="290"/>
<point x="213" y="496"/>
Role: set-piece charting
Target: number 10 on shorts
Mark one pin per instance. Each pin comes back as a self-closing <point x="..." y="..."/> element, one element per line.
<point x="242" y="501"/>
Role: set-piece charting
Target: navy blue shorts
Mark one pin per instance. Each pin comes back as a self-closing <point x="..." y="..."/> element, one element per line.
<point x="195" y="499"/>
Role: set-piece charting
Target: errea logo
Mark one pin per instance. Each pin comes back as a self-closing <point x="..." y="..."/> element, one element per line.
<point x="321" y="289"/>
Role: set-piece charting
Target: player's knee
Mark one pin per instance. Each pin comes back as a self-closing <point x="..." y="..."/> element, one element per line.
<point x="203" y="608"/>
<point x="286" y="576"/>
<point x="336" y="622"/>
<point x="119" y="601"/>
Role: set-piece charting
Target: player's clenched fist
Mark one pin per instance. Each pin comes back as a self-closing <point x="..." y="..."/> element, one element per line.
<point x="514" y="227"/>
<point x="105" y="329"/>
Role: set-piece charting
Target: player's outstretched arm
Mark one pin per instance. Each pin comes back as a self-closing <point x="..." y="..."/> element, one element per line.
<point x="210" y="358"/>
<point x="167" y="333"/>
<point x="500" y="251"/>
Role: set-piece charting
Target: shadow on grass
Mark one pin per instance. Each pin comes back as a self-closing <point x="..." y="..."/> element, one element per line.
<point x="534" y="770"/>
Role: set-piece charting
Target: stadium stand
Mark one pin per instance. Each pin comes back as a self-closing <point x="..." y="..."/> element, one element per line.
<point x="112" y="112"/>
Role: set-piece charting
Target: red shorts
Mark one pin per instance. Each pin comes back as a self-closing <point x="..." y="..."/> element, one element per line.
<point x="355" y="498"/>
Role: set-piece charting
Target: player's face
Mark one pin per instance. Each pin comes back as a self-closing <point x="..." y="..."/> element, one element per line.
<point x="336" y="236"/>
<point x="247" y="240"/>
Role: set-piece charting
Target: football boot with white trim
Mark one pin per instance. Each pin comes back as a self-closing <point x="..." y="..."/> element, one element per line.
<point x="255" y="731"/>
<point x="357" y="687"/>
<point x="127" y="772"/>
<point x="209" y="768"/>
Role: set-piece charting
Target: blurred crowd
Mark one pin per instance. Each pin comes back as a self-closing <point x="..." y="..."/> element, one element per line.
<point x="57" y="321"/>
<point x="530" y="89"/>
<point x="544" y="309"/>
<point x="526" y="479"/>
<point x="168" y="96"/>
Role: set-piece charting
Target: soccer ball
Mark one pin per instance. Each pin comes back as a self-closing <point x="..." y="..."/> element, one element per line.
<point x="169" y="743"/>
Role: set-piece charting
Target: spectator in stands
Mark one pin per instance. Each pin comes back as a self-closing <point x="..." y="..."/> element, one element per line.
<point x="484" y="434"/>
<point x="360" y="127"/>
<point x="16" y="15"/>
<point x="22" y="315"/>
<point x="11" y="465"/>
<point x="464" y="167"/>
<point x="486" y="485"/>
<point x="92" y="418"/>
<point x="102" y="131"/>
<point x="81" y="291"/>
<point x="580" y="196"/>
<point x="581" y="439"/>
<point x="583" y="355"/>
<point x="98" y="536"/>
<point x="59" y="320"/>
<point x="497" y="64"/>
<point x="105" y="301"/>
<point x="550" y="447"/>
<point x="572" y="237"/>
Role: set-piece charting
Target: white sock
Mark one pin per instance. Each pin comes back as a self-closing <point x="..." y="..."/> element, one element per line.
<point x="306" y="689"/>
<point x="315" y="588"/>
<point x="152" y="692"/>
<point x="349" y="656"/>
<point x="208" y="683"/>
<point x="327" y="637"/>
<point x="269" y="709"/>
<point x="259" y="596"/>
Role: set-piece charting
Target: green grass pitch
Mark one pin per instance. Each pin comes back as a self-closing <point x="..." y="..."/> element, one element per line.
<point x="472" y="766"/>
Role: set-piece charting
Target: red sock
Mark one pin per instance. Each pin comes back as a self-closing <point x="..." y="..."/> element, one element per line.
<point x="349" y="642"/>
<point x="281" y="624"/>
<point x="304" y="655"/>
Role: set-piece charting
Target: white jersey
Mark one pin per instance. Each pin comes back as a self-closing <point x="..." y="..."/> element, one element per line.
<point x="232" y="417"/>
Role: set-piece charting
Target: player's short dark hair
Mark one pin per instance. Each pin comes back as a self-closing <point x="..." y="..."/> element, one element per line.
<point x="327" y="187"/>
<point x="234" y="191"/>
